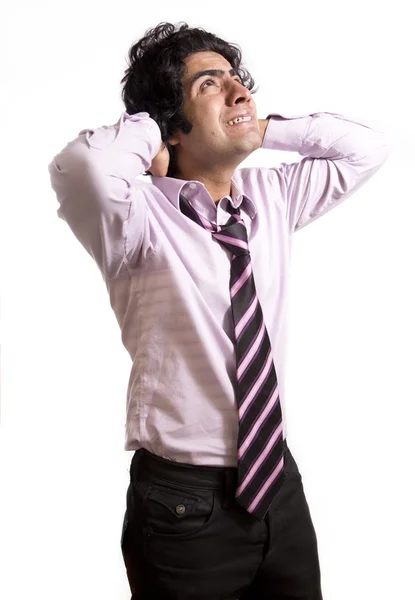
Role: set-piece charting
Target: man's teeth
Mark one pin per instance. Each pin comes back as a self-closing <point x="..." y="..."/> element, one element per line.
<point x="238" y="120"/>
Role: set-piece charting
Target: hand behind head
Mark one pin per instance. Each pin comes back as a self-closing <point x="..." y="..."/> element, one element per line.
<point x="160" y="165"/>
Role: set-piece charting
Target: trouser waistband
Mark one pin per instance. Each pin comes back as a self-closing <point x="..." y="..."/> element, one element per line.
<point x="144" y="463"/>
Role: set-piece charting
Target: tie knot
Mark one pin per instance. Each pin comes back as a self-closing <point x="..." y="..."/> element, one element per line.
<point x="232" y="235"/>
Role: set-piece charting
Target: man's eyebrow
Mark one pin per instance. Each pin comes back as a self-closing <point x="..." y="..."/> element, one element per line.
<point x="212" y="72"/>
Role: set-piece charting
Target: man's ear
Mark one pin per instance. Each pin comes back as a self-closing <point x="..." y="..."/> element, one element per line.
<point x="174" y="140"/>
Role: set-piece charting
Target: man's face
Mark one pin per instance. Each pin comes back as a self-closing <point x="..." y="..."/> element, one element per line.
<point x="211" y="100"/>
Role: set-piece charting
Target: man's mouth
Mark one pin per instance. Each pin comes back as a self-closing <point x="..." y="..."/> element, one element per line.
<point x="239" y="120"/>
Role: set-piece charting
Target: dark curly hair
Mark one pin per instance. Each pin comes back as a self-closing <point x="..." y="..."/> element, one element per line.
<point x="153" y="79"/>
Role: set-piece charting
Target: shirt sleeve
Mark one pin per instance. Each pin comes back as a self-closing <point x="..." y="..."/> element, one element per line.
<point x="341" y="155"/>
<point x="94" y="178"/>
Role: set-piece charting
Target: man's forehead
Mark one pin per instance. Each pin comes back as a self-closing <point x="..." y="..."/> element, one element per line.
<point x="200" y="61"/>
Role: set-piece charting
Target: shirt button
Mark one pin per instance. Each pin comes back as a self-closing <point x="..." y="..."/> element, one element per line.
<point x="180" y="509"/>
<point x="193" y="186"/>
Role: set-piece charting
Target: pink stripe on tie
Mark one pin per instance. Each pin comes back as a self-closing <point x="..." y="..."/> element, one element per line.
<point x="207" y="224"/>
<point x="259" y="461"/>
<point x="231" y="240"/>
<point x="250" y="355"/>
<point x="271" y="403"/>
<point x="265" y="487"/>
<point x="246" y="273"/>
<point x="247" y="316"/>
<point x="263" y="374"/>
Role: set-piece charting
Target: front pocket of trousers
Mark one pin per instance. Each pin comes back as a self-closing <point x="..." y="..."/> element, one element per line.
<point x="175" y="512"/>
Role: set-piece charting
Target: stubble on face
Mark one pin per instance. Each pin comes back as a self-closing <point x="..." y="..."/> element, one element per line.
<point x="210" y="102"/>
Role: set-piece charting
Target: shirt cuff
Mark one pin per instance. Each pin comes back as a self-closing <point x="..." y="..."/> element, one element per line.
<point x="126" y="128"/>
<point x="285" y="132"/>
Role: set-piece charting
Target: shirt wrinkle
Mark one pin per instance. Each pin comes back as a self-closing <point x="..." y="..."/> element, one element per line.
<point x="168" y="282"/>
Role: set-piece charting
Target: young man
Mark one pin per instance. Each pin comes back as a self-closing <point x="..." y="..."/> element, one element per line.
<point x="196" y="265"/>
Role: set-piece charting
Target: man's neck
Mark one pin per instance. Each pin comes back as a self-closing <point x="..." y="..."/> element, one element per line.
<point x="218" y="189"/>
<point x="218" y="184"/>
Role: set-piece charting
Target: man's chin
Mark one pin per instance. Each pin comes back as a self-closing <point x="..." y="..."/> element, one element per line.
<point x="247" y="145"/>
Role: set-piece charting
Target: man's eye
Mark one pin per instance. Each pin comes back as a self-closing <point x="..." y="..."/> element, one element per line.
<point x="207" y="81"/>
<point x="204" y="84"/>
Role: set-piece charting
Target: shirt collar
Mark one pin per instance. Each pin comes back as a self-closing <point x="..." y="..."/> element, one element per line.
<point x="196" y="193"/>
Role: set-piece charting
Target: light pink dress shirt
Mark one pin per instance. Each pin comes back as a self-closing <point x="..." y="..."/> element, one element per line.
<point x="168" y="280"/>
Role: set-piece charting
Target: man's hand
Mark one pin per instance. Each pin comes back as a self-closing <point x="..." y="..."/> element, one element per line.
<point x="160" y="164"/>
<point x="263" y="124"/>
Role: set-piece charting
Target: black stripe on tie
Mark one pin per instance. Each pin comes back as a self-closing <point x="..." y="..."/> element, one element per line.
<point x="265" y="432"/>
<point x="264" y="472"/>
<point x="261" y="399"/>
<point x="258" y="362"/>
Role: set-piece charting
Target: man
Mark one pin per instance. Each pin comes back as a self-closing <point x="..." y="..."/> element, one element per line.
<point x="196" y="265"/>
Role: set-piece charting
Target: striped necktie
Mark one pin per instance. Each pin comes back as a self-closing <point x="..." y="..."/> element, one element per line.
<point x="260" y="437"/>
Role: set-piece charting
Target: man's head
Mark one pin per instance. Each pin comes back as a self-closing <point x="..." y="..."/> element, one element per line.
<point x="192" y="84"/>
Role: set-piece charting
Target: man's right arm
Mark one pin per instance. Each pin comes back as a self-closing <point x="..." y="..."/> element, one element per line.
<point x="94" y="178"/>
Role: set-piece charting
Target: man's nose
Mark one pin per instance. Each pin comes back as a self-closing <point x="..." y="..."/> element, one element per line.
<point x="238" y="94"/>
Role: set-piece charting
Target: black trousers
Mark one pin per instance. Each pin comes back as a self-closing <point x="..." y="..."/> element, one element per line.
<point x="184" y="536"/>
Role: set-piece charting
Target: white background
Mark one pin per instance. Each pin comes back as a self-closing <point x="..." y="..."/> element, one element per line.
<point x="350" y="393"/>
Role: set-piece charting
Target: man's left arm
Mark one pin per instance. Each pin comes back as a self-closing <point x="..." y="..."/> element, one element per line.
<point x="340" y="156"/>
